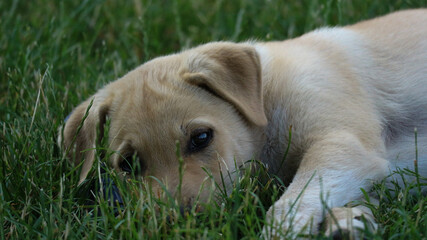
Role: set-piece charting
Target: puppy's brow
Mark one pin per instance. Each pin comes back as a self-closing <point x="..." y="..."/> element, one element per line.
<point x="183" y="129"/>
<point x="188" y="124"/>
<point x="116" y="136"/>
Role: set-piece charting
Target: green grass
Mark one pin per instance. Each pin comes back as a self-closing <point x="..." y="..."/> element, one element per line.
<point x="54" y="54"/>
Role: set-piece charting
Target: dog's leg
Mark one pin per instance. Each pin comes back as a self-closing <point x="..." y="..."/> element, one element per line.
<point x="349" y="222"/>
<point x="331" y="173"/>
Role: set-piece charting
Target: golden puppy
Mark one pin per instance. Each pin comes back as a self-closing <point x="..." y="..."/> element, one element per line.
<point x="352" y="97"/>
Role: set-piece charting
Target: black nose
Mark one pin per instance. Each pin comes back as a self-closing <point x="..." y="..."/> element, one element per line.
<point x="184" y="210"/>
<point x="186" y="206"/>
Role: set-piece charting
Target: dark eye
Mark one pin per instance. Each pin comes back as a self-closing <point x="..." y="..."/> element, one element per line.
<point x="200" y="139"/>
<point x="132" y="164"/>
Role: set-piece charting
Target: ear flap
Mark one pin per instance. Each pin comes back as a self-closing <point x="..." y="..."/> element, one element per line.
<point x="232" y="72"/>
<point x="80" y="130"/>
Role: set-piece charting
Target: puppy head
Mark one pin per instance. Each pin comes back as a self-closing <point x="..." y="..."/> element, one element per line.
<point x="208" y="98"/>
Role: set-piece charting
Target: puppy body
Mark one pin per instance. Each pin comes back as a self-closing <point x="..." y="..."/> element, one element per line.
<point x="353" y="80"/>
<point x="350" y="96"/>
<point x="353" y="97"/>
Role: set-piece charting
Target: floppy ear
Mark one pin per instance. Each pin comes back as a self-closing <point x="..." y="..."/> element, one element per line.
<point x="80" y="132"/>
<point x="232" y="72"/>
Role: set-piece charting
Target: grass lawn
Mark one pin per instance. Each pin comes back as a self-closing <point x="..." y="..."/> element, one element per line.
<point x="55" y="54"/>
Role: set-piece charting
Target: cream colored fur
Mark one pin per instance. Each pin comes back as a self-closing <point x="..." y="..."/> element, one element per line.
<point x="351" y="96"/>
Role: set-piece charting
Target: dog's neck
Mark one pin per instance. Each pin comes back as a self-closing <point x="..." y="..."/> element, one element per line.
<point x="281" y="159"/>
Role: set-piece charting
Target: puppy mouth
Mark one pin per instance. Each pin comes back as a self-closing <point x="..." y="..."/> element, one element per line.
<point x="189" y="205"/>
<point x="188" y="209"/>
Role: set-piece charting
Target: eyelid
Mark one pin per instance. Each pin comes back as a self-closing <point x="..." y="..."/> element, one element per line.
<point x="124" y="150"/>
<point x="198" y="123"/>
<point x="200" y="130"/>
<point x="137" y="164"/>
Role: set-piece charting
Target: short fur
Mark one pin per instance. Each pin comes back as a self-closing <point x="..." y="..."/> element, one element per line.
<point x="351" y="96"/>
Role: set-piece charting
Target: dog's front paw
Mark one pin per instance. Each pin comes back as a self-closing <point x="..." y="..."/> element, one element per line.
<point x="349" y="223"/>
<point x="287" y="220"/>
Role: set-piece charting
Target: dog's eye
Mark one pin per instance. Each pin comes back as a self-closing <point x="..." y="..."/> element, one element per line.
<point x="200" y="139"/>
<point x="132" y="164"/>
